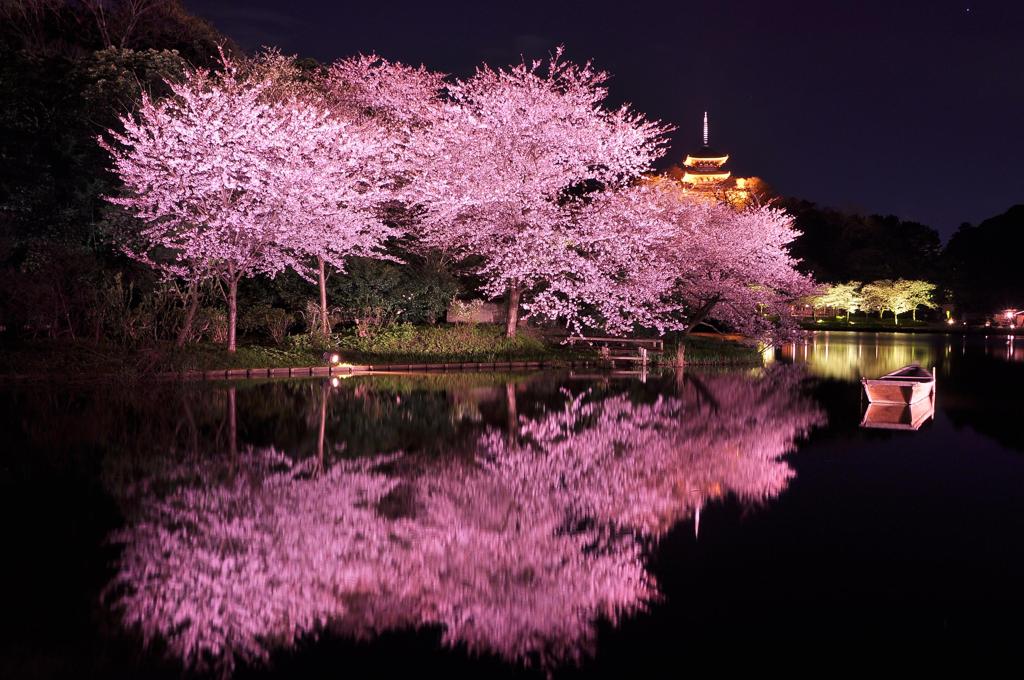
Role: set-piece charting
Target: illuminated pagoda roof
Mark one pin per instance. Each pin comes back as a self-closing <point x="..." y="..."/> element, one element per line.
<point x="706" y="165"/>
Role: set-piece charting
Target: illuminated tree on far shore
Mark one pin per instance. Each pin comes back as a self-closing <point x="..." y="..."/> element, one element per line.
<point x="919" y="294"/>
<point x="898" y="296"/>
<point x="845" y="296"/>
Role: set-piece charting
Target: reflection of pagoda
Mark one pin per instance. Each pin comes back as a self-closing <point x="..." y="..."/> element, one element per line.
<point x="705" y="169"/>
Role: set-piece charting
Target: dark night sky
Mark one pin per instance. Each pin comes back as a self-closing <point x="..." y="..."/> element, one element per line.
<point x="911" y="108"/>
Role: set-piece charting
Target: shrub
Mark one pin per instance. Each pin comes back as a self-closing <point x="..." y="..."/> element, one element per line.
<point x="375" y="293"/>
<point x="406" y="342"/>
<point x="273" y="322"/>
<point x="277" y="323"/>
<point x="211" y="324"/>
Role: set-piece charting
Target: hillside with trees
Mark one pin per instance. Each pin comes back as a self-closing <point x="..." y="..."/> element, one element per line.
<point x="983" y="263"/>
<point x="838" y="246"/>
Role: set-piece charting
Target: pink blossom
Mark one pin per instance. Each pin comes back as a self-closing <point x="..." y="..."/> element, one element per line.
<point x="232" y="178"/>
<point x="503" y="156"/>
<point x="658" y="257"/>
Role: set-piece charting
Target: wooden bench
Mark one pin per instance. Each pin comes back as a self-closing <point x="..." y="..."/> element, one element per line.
<point x="622" y="350"/>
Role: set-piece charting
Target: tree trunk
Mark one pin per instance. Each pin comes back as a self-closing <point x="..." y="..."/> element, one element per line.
<point x="702" y="314"/>
<point x="680" y="359"/>
<point x="913" y="314"/>
<point x="325" y="321"/>
<point x="232" y="310"/>
<point x="190" y="315"/>
<point x="232" y="424"/>
<point x="512" y="319"/>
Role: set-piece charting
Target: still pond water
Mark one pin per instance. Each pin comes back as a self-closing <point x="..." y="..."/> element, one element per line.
<point x="504" y="524"/>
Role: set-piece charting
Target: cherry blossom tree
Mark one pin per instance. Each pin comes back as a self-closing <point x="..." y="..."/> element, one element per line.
<point x="333" y="182"/>
<point x="343" y="179"/>
<point x="378" y="103"/>
<point x="202" y="170"/>
<point x="738" y="270"/>
<point x="249" y="172"/>
<point x="661" y="258"/>
<point x="505" y="158"/>
<point x="919" y="294"/>
<point x="619" y="280"/>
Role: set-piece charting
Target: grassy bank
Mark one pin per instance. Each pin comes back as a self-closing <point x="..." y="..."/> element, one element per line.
<point x="398" y="344"/>
<point x="710" y="350"/>
<point x="404" y="343"/>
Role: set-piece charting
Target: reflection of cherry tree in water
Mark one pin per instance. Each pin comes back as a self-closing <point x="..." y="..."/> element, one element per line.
<point x="646" y="466"/>
<point x="518" y="554"/>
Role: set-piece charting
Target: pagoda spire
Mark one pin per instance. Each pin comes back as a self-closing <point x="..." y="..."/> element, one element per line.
<point x="705" y="167"/>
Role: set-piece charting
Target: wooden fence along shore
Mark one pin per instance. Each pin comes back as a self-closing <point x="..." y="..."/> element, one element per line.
<point x="613" y="350"/>
<point x="347" y="369"/>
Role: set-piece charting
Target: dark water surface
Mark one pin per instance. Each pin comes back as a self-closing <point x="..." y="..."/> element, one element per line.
<point x="496" y="525"/>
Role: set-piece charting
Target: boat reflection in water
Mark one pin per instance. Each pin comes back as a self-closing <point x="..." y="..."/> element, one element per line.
<point x="516" y="547"/>
<point x="899" y="416"/>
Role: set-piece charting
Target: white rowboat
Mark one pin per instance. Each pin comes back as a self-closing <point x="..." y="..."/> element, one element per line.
<point x="907" y="386"/>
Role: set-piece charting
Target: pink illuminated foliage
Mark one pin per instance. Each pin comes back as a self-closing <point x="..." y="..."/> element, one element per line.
<point x="335" y="180"/>
<point x="526" y="170"/>
<point x="504" y="158"/>
<point x="393" y="95"/>
<point x="665" y="259"/>
<point x="341" y="169"/>
<point x="740" y="272"/>
<point x="518" y="552"/>
<point x="647" y="466"/>
<point x="200" y="171"/>
<point x="235" y="176"/>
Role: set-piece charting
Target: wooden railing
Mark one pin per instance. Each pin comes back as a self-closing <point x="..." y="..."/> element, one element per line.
<point x="651" y="344"/>
<point x="622" y="350"/>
